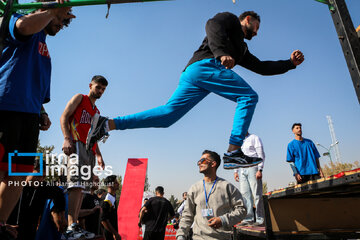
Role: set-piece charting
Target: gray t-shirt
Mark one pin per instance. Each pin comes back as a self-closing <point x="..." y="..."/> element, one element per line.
<point x="226" y="202"/>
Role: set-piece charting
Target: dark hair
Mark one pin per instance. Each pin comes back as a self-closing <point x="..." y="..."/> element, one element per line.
<point x="110" y="179"/>
<point x="184" y="193"/>
<point x="100" y="79"/>
<point x="100" y="191"/>
<point x="249" y="13"/>
<point x="65" y="22"/>
<point x="295" y="124"/>
<point x="160" y="190"/>
<point x="214" y="156"/>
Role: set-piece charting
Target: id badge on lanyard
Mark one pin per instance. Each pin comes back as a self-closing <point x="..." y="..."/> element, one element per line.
<point x="208" y="212"/>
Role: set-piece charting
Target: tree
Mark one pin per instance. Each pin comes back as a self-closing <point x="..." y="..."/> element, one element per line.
<point x="46" y="151"/>
<point x="147" y="184"/>
<point x="174" y="201"/>
<point x="337" y="167"/>
<point x="118" y="192"/>
<point x="265" y="187"/>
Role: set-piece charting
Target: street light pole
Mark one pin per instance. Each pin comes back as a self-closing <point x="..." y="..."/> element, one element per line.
<point x="328" y="150"/>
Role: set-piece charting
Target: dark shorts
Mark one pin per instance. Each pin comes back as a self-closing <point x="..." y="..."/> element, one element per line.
<point x="149" y="235"/>
<point x="306" y="178"/>
<point x="18" y="131"/>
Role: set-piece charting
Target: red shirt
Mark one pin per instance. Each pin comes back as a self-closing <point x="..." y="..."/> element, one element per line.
<point x="80" y="121"/>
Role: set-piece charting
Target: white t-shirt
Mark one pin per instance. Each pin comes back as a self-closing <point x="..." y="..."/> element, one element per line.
<point x="253" y="147"/>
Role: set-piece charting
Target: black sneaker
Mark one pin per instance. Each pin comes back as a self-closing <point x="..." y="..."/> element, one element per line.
<point x="97" y="131"/>
<point x="5" y="234"/>
<point x="239" y="160"/>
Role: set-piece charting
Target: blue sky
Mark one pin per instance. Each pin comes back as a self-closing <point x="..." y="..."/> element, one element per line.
<point x="142" y="49"/>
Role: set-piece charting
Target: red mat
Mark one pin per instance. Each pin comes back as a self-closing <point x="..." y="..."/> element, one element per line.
<point x="131" y="197"/>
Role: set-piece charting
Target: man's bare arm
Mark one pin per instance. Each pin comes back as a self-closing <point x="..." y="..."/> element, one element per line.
<point x="64" y="122"/>
<point x="37" y="21"/>
<point x="141" y="214"/>
<point x="107" y="225"/>
<point x="99" y="157"/>
<point x="319" y="168"/>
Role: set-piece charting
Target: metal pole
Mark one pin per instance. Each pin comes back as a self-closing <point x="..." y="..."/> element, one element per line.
<point x="328" y="151"/>
<point x="349" y="40"/>
<point x="4" y="22"/>
<point x="11" y="6"/>
<point x="73" y="3"/>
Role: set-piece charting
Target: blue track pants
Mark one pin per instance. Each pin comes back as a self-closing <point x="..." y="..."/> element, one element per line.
<point x="196" y="82"/>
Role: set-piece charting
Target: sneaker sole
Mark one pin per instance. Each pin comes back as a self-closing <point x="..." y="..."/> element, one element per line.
<point x="238" y="165"/>
<point x="89" y="236"/>
<point x="245" y="224"/>
<point x="239" y="159"/>
<point x="94" y="122"/>
<point x="226" y="158"/>
<point x="74" y="238"/>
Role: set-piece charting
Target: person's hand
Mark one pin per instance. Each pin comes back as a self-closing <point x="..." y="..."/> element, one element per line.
<point x="59" y="220"/>
<point x="96" y="208"/>
<point x="101" y="162"/>
<point x="62" y="13"/>
<point x="227" y="61"/>
<point x="258" y="175"/>
<point x="298" y="177"/>
<point x="215" y="222"/>
<point x="12" y="230"/>
<point x="116" y="236"/>
<point x="297" y="57"/>
<point x="61" y="1"/>
<point x="68" y="146"/>
<point x="321" y="173"/>
<point x="236" y="176"/>
<point x="45" y="122"/>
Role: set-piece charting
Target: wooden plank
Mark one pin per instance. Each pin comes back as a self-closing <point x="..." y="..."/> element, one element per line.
<point x="314" y="214"/>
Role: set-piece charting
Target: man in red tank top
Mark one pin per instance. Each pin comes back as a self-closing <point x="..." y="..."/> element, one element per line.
<point x="75" y="123"/>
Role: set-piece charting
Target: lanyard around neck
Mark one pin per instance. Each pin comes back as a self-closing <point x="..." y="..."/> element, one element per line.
<point x="207" y="196"/>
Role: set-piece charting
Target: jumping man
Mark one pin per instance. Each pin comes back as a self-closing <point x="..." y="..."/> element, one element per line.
<point x="209" y="70"/>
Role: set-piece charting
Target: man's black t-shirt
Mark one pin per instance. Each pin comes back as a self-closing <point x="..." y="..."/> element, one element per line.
<point x="91" y="221"/>
<point x="109" y="212"/>
<point x="159" y="209"/>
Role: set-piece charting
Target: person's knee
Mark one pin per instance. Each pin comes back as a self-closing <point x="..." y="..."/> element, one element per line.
<point x="170" y="116"/>
<point x="252" y="98"/>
